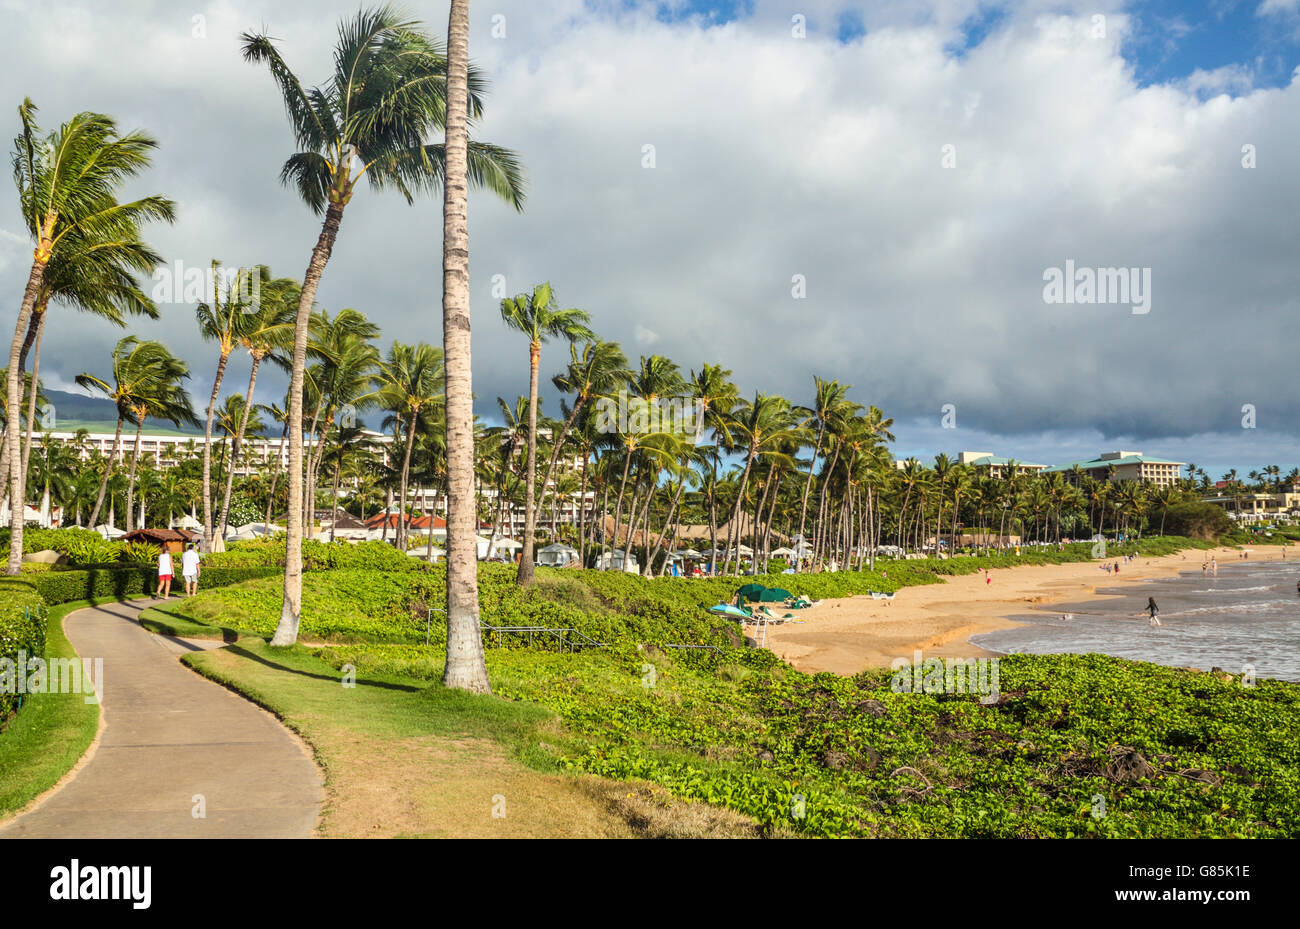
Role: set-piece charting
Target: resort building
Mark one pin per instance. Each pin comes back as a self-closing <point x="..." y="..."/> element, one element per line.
<point x="997" y="466"/>
<point x="1257" y="508"/>
<point x="1123" y="466"/>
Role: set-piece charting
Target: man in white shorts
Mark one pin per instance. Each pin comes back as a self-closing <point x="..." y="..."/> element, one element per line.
<point x="190" y="570"/>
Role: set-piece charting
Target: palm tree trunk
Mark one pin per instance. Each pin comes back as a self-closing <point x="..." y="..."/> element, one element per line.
<point x="812" y="465"/>
<point x="35" y="330"/>
<point x="286" y="631"/>
<point x="275" y="474"/>
<point x="108" y="469"/>
<point x="207" y="452"/>
<point x="130" y="481"/>
<point x="17" y="501"/>
<point x="466" y="668"/>
<point x="239" y="441"/>
<point x="402" y="520"/>
<point x="526" y="572"/>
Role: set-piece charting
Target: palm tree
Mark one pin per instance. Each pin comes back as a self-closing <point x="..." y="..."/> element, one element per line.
<point x="391" y="88"/>
<point x="410" y="383"/>
<point x="67" y="184"/>
<point x="760" y="426"/>
<point x="466" y="667"/>
<point x="593" y="374"/>
<point x="266" y="332"/>
<point x="830" y="405"/>
<point x="222" y="321"/>
<point x="145" y="381"/>
<point x="538" y="317"/>
<point x="94" y="274"/>
<point x="716" y="397"/>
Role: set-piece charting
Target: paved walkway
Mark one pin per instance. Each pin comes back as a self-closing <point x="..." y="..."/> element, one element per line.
<point x="168" y="735"/>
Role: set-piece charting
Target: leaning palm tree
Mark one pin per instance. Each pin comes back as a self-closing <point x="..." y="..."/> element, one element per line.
<point x="267" y="333"/>
<point x="594" y="374"/>
<point x="221" y="321"/>
<point x="95" y="274"/>
<point x="142" y="373"/>
<point x="409" y="383"/>
<point x="539" y="318"/>
<point x="67" y="186"/>
<point x="466" y="667"/>
<point x="389" y="91"/>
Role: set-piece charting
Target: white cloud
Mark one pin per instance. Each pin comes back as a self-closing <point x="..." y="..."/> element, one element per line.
<point x="774" y="156"/>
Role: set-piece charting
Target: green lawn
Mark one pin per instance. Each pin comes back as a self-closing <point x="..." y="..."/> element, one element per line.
<point x="404" y="757"/>
<point x="49" y="734"/>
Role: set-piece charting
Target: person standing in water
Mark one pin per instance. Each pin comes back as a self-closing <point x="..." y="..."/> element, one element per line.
<point x="1153" y="611"/>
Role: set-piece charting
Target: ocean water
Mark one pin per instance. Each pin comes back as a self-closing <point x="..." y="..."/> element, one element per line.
<point x="1249" y="614"/>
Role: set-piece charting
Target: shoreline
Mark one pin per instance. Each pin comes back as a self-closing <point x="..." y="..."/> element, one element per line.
<point x="848" y="635"/>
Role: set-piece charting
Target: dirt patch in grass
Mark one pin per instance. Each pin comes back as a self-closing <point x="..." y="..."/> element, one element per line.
<point x="410" y="761"/>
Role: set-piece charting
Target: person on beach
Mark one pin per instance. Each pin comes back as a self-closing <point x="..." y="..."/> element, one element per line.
<point x="1153" y="611"/>
<point x="1214" y="566"/>
<point x="164" y="574"/>
<point x="190" y="570"/>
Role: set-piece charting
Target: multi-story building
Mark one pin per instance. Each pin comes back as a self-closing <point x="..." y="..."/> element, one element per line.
<point x="997" y="466"/>
<point x="1123" y="466"/>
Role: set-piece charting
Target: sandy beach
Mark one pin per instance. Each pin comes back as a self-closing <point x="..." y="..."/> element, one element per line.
<point x="848" y="635"/>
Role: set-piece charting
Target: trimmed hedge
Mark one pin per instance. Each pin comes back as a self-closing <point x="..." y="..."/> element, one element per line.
<point x="359" y="556"/>
<point x="121" y="582"/>
<point x="22" y="629"/>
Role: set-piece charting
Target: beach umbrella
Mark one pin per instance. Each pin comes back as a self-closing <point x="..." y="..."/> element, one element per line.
<point x="783" y="553"/>
<point x="751" y="592"/>
<point x="774" y="595"/>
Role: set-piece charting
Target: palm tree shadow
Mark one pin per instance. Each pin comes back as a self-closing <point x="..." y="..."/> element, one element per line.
<point x="228" y="635"/>
<point x="333" y="679"/>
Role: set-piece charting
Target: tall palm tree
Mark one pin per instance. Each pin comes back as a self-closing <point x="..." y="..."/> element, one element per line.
<point x="593" y="374"/>
<point x="760" y="426"/>
<point x="67" y="185"/>
<point x="830" y="405"/>
<point x="538" y="317"/>
<point x="145" y="378"/>
<point x="410" y="383"/>
<point x="266" y="334"/>
<point x="221" y="321"/>
<point x="391" y="89"/>
<point x="466" y="667"/>
<point x="95" y="274"/>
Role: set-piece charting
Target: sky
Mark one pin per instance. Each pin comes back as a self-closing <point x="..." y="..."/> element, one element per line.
<point x="872" y="192"/>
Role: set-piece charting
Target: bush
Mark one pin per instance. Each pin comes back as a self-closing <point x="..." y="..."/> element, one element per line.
<point x="22" y="629"/>
<point x="119" y="582"/>
<point x="141" y="553"/>
<point x="369" y="556"/>
<point x="1198" y="520"/>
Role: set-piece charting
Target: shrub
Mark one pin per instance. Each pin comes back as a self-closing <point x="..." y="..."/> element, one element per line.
<point x="22" y="629"/>
<point x="1198" y="520"/>
<point x="120" y="581"/>
<point x="141" y="553"/>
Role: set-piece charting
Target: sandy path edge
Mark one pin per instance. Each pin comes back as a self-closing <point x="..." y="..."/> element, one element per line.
<point x="850" y="634"/>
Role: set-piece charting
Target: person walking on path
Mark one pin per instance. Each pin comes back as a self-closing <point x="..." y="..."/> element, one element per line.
<point x="190" y="570"/>
<point x="164" y="574"/>
<point x="1153" y="611"/>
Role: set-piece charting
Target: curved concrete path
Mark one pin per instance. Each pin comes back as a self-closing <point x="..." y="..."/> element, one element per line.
<point x="167" y="735"/>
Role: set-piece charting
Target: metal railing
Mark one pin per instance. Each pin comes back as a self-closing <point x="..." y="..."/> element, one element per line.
<point x="569" y="640"/>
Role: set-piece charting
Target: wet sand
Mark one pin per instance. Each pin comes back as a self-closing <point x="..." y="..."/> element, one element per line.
<point x="850" y="634"/>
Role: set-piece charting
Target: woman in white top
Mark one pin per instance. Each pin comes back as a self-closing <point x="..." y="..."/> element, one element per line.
<point x="164" y="574"/>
